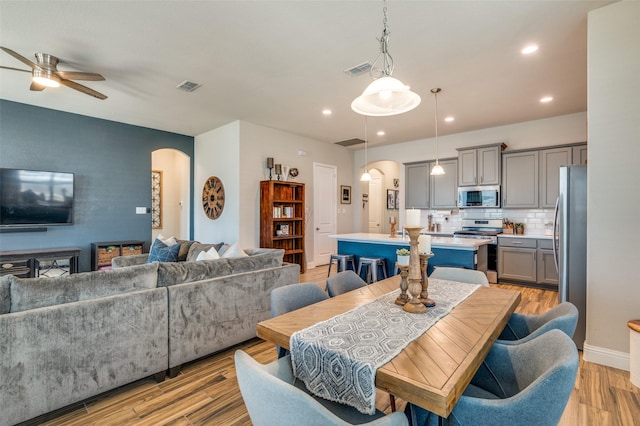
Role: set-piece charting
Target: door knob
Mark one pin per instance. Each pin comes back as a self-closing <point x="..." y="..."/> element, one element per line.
<point x="317" y="229"/>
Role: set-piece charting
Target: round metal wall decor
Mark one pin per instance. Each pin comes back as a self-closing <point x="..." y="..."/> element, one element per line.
<point x="213" y="197"/>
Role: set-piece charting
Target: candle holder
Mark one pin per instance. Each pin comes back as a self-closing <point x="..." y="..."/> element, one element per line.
<point x="270" y="166"/>
<point x="424" y="295"/>
<point x="414" y="305"/>
<point x="393" y="230"/>
<point x="403" y="298"/>
<point x="279" y="170"/>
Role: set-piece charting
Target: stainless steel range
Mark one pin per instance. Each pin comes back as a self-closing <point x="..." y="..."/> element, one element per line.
<point x="483" y="228"/>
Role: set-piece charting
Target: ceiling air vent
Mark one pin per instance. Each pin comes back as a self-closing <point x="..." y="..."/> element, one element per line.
<point x="358" y="69"/>
<point x="188" y="86"/>
<point x="350" y="142"/>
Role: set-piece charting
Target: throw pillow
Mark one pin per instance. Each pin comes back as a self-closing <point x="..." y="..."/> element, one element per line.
<point x="210" y="254"/>
<point x="161" y="253"/>
<point x="234" y="251"/>
<point x="185" y="245"/>
<point x="196" y="248"/>
<point x="164" y="240"/>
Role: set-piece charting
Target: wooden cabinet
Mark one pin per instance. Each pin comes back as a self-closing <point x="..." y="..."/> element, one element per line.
<point x="282" y="219"/>
<point x="550" y="162"/>
<point x="520" y="180"/>
<point x="517" y="259"/>
<point x="417" y="185"/>
<point x="579" y="154"/>
<point x="103" y="252"/>
<point x="444" y="188"/>
<point x="480" y="166"/>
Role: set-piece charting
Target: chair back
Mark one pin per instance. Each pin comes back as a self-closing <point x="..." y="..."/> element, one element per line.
<point x="521" y="328"/>
<point x="343" y="282"/>
<point x="460" y="274"/>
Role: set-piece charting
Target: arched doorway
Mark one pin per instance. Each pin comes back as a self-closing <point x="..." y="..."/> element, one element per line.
<point x="173" y="167"/>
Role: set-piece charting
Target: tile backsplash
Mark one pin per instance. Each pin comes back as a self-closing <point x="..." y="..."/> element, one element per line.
<point x="451" y="220"/>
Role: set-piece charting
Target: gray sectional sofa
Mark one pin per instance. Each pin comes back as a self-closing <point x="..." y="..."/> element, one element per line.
<point x="68" y="338"/>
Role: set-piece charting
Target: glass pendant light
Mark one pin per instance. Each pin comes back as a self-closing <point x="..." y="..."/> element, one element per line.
<point x="437" y="169"/>
<point x="366" y="177"/>
<point x="386" y="95"/>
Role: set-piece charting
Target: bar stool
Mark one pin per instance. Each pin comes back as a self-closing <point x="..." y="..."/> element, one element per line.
<point x="371" y="265"/>
<point x="342" y="262"/>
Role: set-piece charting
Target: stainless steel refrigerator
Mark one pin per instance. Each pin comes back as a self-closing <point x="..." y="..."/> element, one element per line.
<point x="570" y="248"/>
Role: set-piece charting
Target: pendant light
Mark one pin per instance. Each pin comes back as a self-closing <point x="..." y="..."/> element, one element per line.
<point x="366" y="177"/>
<point x="437" y="169"/>
<point x="386" y="95"/>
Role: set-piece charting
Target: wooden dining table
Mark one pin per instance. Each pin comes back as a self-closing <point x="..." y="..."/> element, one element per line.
<point x="433" y="370"/>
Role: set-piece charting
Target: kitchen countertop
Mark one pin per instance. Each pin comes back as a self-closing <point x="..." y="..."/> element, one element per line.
<point x="436" y="242"/>
<point x="534" y="236"/>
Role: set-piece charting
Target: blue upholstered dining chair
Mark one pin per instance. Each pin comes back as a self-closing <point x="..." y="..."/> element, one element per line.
<point x="274" y="397"/>
<point x="521" y="328"/>
<point x="291" y="297"/>
<point x="527" y="384"/>
<point x="343" y="282"/>
<point x="460" y="274"/>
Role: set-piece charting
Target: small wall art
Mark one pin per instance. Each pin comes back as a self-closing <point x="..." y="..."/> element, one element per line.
<point x="345" y="194"/>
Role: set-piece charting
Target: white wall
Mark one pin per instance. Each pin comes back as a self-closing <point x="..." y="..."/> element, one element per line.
<point x="561" y="130"/>
<point x="217" y="153"/>
<point x="175" y="169"/>
<point x="613" y="278"/>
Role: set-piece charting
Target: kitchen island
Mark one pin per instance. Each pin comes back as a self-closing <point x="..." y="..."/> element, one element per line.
<point x="458" y="252"/>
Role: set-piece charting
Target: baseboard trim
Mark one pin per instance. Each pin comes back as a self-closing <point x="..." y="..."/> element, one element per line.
<point x="311" y="265"/>
<point x="604" y="356"/>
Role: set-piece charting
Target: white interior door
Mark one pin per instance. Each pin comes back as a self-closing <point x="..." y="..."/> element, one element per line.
<point x="325" y="196"/>
<point x="375" y="202"/>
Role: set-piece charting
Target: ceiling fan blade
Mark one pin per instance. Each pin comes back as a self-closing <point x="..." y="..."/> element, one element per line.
<point x="15" y="69"/>
<point x="77" y="75"/>
<point x="83" y="89"/>
<point x="36" y="87"/>
<point x="20" y="57"/>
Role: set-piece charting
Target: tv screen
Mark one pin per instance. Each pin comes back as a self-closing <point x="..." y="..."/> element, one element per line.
<point x="32" y="197"/>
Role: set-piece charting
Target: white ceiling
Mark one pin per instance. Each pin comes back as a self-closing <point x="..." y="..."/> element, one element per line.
<point x="280" y="63"/>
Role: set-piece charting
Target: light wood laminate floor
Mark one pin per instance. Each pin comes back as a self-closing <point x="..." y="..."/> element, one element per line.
<point x="206" y="391"/>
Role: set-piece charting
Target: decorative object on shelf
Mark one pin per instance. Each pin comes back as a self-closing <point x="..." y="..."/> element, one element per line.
<point x="424" y="294"/>
<point x="284" y="230"/>
<point x="293" y="172"/>
<point x="279" y="171"/>
<point x="386" y="95"/>
<point x="520" y="228"/>
<point x="366" y="177"/>
<point x="345" y="194"/>
<point x="392" y="223"/>
<point x="403" y="298"/>
<point x="437" y="169"/>
<point x="391" y="199"/>
<point x="213" y="197"/>
<point x="156" y="199"/>
<point x="414" y="305"/>
<point x="403" y="257"/>
<point x="270" y="166"/>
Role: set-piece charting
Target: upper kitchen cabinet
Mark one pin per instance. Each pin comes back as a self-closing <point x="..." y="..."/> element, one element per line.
<point x="480" y="165"/>
<point x="444" y="188"/>
<point x="417" y="185"/>
<point x="550" y="162"/>
<point x="520" y="180"/>
<point x="579" y="154"/>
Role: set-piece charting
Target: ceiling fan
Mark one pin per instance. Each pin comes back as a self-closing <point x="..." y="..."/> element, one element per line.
<point x="45" y="74"/>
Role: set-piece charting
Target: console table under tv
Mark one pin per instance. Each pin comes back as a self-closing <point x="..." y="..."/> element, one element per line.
<point x="45" y="262"/>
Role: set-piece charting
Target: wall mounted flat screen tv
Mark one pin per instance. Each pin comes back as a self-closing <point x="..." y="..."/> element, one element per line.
<point x="34" y="197"/>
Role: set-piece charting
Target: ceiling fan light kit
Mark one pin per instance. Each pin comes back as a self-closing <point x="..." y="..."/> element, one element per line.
<point x="386" y="95"/>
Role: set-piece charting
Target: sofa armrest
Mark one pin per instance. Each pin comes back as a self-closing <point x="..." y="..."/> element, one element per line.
<point x="122" y="261"/>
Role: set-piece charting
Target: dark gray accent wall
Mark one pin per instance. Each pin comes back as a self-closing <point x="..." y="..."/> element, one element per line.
<point x="112" y="166"/>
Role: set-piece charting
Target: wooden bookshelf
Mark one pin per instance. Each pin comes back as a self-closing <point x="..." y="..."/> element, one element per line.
<point x="282" y="219"/>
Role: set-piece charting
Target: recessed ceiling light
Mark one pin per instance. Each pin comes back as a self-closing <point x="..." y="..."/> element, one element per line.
<point x="546" y="99"/>
<point x="449" y="119"/>
<point x="529" y="49"/>
<point x="326" y="111"/>
<point x="380" y="133"/>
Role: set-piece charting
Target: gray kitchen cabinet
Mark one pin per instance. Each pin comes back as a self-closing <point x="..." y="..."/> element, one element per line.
<point x="417" y="185"/>
<point x="520" y="180"/>
<point x="480" y="166"/>
<point x="550" y="162"/>
<point x="444" y="188"/>
<point x="579" y="154"/>
<point x="547" y="273"/>
<point x="517" y="264"/>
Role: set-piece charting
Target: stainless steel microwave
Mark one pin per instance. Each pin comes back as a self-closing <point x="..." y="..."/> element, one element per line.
<point x="479" y="197"/>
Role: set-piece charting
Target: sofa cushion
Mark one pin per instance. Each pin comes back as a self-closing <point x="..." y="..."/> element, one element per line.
<point x="197" y="247"/>
<point x="185" y="245"/>
<point x="160" y="252"/>
<point x="5" y="294"/>
<point x="185" y="272"/>
<point x="31" y="293"/>
<point x="257" y="259"/>
<point x="210" y="254"/>
<point x="234" y="251"/>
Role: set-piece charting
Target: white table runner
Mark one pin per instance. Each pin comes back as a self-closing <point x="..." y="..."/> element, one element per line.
<point x="337" y="359"/>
